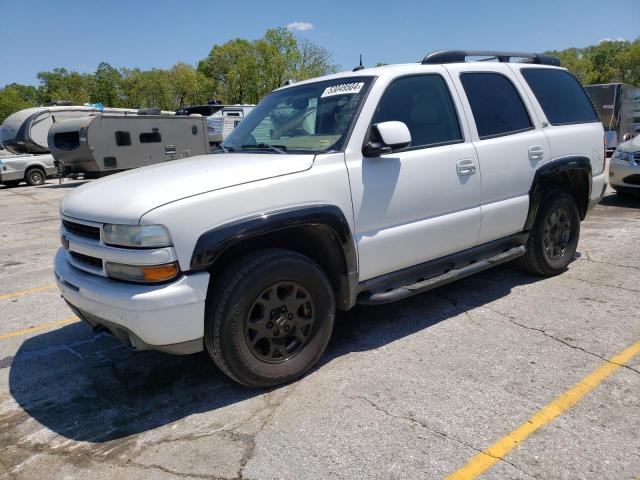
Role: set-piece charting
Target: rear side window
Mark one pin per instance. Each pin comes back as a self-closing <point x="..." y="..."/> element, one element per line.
<point x="123" y="139"/>
<point x="560" y="95"/>
<point x="424" y="104"/>
<point x="151" y="137"/>
<point x="496" y="105"/>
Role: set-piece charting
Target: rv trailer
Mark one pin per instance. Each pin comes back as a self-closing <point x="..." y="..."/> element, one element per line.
<point x="26" y="131"/>
<point x="222" y="122"/>
<point x="617" y="105"/>
<point x="104" y="144"/>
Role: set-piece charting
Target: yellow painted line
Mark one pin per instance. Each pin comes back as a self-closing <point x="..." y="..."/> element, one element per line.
<point x="492" y="455"/>
<point x="38" y="328"/>
<point x="29" y="291"/>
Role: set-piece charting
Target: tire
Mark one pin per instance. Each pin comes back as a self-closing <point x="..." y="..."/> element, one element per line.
<point x="269" y="318"/>
<point x="11" y="183"/>
<point x="554" y="237"/>
<point x="35" y="176"/>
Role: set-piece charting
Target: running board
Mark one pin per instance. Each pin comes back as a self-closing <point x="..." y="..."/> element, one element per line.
<point x="372" y="298"/>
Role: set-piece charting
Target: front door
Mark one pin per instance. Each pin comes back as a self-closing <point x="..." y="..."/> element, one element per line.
<point x="423" y="202"/>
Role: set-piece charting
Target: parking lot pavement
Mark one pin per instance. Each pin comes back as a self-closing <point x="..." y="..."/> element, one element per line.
<point x="437" y="384"/>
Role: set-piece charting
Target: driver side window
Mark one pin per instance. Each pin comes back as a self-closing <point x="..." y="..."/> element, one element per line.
<point x="424" y="104"/>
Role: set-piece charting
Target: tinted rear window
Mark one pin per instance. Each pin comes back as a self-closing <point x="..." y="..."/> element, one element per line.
<point x="561" y="96"/>
<point x="496" y="105"/>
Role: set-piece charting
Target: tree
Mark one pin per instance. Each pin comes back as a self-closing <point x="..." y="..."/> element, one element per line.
<point x="105" y="86"/>
<point x="16" y="97"/>
<point x="60" y="84"/>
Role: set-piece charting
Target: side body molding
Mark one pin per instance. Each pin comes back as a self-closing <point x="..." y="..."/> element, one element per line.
<point x="545" y="177"/>
<point x="213" y="242"/>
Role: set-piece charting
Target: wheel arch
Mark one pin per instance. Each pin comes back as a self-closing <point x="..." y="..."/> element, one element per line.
<point x="320" y="232"/>
<point x="572" y="174"/>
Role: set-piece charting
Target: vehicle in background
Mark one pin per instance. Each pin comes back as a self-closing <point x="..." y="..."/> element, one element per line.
<point x="204" y="110"/>
<point x="25" y="131"/>
<point x="4" y="152"/>
<point x="102" y="144"/>
<point x="624" y="168"/>
<point x="33" y="169"/>
<point x="618" y="106"/>
<point x="222" y="122"/>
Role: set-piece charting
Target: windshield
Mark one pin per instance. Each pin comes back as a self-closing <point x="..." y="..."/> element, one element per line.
<point x="311" y="118"/>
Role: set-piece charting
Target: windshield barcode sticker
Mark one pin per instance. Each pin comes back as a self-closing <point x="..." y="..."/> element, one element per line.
<point x="343" y="89"/>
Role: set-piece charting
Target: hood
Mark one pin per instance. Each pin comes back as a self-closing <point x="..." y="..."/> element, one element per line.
<point x="631" y="146"/>
<point x="125" y="197"/>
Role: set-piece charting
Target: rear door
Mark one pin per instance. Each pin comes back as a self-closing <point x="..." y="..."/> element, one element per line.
<point x="509" y="142"/>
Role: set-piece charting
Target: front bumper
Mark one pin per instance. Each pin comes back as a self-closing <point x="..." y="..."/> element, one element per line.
<point x="618" y="172"/>
<point x="167" y="317"/>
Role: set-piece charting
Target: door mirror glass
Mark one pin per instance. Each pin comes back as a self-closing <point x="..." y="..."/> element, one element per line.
<point x="386" y="137"/>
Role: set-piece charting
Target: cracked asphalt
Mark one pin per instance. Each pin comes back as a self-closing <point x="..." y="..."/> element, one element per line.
<point x="411" y="390"/>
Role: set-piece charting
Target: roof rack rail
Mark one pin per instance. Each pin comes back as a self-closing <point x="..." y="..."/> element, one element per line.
<point x="455" y="56"/>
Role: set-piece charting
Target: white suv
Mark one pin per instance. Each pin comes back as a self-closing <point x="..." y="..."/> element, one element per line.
<point x="361" y="187"/>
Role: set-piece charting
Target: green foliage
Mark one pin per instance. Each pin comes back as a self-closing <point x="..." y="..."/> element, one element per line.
<point x="239" y="71"/>
<point x="607" y="62"/>
<point x="244" y="72"/>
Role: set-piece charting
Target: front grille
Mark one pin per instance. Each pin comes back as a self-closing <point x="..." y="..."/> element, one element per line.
<point x="87" y="260"/>
<point x="82" y="230"/>
<point x="632" y="179"/>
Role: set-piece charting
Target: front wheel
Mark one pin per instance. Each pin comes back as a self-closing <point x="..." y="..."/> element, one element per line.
<point x="554" y="237"/>
<point x="269" y="317"/>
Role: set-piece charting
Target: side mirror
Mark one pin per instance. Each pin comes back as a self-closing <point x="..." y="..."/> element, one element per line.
<point x="386" y="137"/>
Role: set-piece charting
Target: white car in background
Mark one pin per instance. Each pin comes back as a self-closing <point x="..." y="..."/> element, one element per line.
<point x="624" y="169"/>
<point x="32" y="169"/>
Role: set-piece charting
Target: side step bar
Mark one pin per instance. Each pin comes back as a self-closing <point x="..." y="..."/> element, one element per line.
<point x="373" y="298"/>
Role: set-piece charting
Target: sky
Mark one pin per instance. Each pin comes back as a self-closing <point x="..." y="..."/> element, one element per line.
<point x="79" y="34"/>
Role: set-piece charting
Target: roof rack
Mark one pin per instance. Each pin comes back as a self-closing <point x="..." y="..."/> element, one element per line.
<point x="455" y="56"/>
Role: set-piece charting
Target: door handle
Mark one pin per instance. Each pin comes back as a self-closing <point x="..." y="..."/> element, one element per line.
<point x="536" y="153"/>
<point x="466" y="166"/>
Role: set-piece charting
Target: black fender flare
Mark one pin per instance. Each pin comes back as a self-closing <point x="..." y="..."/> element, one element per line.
<point x="212" y="243"/>
<point x="543" y="178"/>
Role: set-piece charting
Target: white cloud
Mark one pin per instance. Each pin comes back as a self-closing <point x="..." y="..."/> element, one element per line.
<point x="300" y="26"/>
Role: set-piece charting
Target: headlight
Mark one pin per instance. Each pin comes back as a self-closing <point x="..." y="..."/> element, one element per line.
<point x="619" y="156"/>
<point x="142" y="273"/>
<point x="137" y="236"/>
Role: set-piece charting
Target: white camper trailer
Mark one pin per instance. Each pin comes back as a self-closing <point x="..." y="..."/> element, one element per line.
<point x="26" y="131"/>
<point x="222" y="122"/>
<point x="103" y="144"/>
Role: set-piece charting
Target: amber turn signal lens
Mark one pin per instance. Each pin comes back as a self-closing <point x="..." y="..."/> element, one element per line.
<point x="160" y="273"/>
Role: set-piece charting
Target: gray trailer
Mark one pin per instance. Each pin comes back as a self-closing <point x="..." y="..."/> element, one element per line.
<point x="25" y="131"/>
<point x="618" y="107"/>
<point x="103" y="144"/>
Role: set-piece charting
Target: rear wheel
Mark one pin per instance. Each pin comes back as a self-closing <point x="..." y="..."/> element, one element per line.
<point x="35" y="176"/>
<point x="554" y="237"/>
<point x="269" y="317"/>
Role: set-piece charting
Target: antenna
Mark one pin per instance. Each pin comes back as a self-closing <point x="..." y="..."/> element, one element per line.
<point x="360" y="66"/>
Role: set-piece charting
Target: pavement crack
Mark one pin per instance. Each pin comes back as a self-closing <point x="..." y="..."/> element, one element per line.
<point x="415" y="421"/>
<point x="589" y="259"/>
<point x="456" y="306"/>
<point x="246" y="458"/>
<point x="596" y="284"/>
<point x="512" y="320"/>
<point x="175" y="472"/>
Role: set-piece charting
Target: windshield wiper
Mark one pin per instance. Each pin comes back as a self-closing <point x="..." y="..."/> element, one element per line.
<point x="266" y="146"/>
